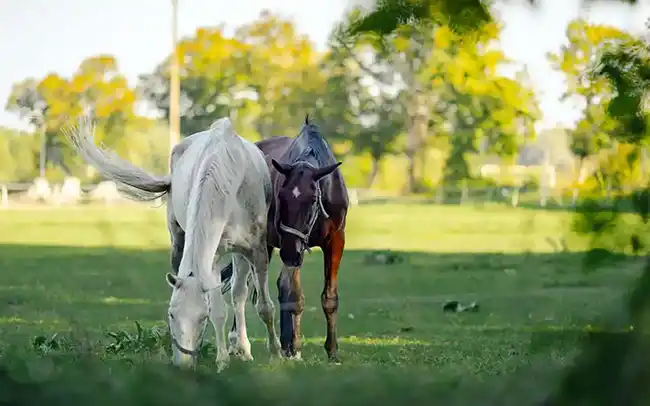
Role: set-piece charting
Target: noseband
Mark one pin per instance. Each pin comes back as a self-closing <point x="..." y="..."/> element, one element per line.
<point x="316" y="209"/>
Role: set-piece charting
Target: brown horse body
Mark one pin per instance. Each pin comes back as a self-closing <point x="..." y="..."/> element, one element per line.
<point x="308" y="209"/>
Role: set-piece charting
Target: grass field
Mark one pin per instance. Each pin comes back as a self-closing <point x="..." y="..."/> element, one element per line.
<point x="83" y="272"/>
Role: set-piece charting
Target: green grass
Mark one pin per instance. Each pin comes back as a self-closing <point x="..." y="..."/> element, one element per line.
<point x="85" y="271"/>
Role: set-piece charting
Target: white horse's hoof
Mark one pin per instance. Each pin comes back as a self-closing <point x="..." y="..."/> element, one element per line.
<point x="246" y="357"/>
<point x="221" y="364"/>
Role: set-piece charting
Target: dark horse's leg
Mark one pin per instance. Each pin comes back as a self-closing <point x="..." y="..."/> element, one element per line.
<point x="233" y="329"/>
<point x="178" y="242"/>
<point x="332" y="254"/>
<point x="292" y="305"/>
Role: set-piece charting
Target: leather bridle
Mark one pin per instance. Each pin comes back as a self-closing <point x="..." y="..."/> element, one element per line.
<point x="316" y="209"/>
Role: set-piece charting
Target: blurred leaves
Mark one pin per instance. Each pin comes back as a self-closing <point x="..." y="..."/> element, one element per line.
<point x="463" y="16"/>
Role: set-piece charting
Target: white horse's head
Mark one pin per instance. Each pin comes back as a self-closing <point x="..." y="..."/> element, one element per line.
<point x="189" y="308"/>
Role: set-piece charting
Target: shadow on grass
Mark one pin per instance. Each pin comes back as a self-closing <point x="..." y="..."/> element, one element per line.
<point x="485" y="358"/>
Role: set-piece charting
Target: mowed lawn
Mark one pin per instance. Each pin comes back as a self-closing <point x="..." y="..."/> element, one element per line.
<point x="89" y="270"/>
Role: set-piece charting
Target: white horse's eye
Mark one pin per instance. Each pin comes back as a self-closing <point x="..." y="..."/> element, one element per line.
<point x="171" y="316"/>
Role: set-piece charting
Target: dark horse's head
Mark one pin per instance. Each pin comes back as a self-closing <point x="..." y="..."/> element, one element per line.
<point x="300" y="203"/>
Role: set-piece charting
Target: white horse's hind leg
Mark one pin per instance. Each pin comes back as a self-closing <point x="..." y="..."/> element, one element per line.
<point x="265" y="307"/>
<point x="239" y="291"/>
<point x="218" y="316"/>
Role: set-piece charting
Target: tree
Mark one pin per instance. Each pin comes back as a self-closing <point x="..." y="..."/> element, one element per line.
<point x="265" y="75"/>
<point x="593" y="133"/>
<point x="385" y="120"/>
<point x="54" y="102"/>
<point x="282" y="72"/>
<point x="626" y="66"/>
<point x="18" y="155"/>
<point x="450" y="87"/>
<point x="212" y="67"/>
<point x="474" y="104"/>
<point x="398" y="61"/>
<point x="338" y="102"/>
<point x="368" y="117"/>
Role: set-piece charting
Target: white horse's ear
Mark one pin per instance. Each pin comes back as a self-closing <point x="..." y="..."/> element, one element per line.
<point x="172" y="280"/>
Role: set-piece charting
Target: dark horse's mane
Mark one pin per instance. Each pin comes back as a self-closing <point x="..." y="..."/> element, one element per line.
<point x="309" y="144"/>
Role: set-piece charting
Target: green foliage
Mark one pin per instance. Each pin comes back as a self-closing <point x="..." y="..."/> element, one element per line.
<point x="18" y="156"/>
<point x="587" y="42"/>
<point x="266" y="76"/>
<point x="53" y="102"/>
<point x="45" y="345"/>
<point x="211" y="70"/>
<point x="627" y="67"/>
<point x="283" y="72"/>
<point x="144" y="341"/>
<point x="476" y="105"/>
<point x="454" y="77"/>
<point x="613" y="228"/>
<point x="462" y="15"/>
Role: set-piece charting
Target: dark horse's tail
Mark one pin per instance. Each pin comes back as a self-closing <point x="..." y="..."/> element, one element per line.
<point x="226" y="280"/>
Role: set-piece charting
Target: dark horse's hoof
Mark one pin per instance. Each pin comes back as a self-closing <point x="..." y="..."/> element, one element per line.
<point x="333" y="358"/>
<point x="292" y="354"/>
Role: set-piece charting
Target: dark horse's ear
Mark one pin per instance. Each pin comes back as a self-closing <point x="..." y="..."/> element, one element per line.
<point x="282" y="168"/>
<point x="324" y="171"/>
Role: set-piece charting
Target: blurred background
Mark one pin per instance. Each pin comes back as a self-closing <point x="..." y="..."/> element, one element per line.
<point x="510" y="114"/>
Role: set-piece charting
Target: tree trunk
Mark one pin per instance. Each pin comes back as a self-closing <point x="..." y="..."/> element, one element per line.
<point x="372" y="177"/>
<point x="411" y="149"/>
<point x="43" y="151"/>
<point x="418" y="124"/>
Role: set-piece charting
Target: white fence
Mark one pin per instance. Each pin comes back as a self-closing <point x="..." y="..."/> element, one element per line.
<point x="71" y="192"/>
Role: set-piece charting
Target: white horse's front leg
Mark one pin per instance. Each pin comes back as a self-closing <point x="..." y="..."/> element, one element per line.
<point x="241" y="268"/>
<point x="265" y="307"/>
<point x="218" y="316"/>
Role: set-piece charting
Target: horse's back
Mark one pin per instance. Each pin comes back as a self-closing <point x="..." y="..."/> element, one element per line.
<point x="200" y="152"/>
<point x="184" y="164"/>
<point x="275" y="147"/>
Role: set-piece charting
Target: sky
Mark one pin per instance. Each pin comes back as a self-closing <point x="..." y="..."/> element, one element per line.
<point x="42" y="36"/>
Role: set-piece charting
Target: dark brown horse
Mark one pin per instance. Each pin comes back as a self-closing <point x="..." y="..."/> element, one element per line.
<point x="308" y="209"/>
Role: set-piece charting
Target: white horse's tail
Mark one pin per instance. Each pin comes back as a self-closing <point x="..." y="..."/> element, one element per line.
<point x="140" y="184"/>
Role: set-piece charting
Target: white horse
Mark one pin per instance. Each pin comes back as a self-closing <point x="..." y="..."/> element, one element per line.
<point x="219" y="190"/>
